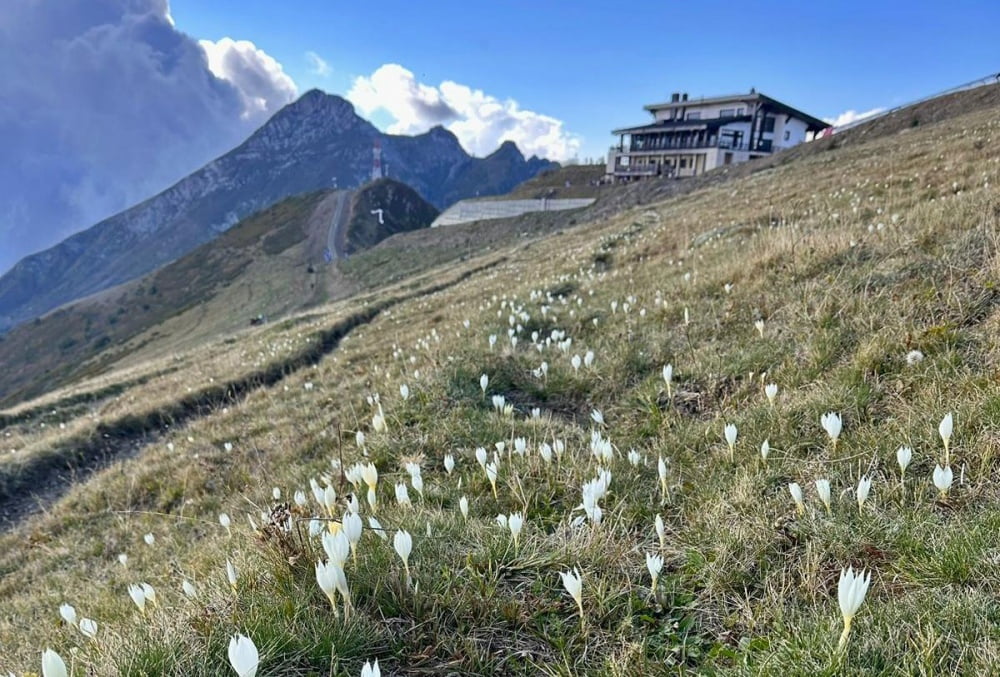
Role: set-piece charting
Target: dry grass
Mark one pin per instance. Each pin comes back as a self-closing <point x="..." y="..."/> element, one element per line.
<point x="748" y="586"/>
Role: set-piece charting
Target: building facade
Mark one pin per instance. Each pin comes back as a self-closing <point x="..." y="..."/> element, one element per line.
<point x="688" y="137"/>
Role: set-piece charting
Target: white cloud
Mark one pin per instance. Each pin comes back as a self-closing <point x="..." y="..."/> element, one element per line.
<point x="106" y="102"/>
<point x="851" y="116"/>
<point x="319" y="65"/>
<point x="480" y="121"/>
<point x="260" y="80"/>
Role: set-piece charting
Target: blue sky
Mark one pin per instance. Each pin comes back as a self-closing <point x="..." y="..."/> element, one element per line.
<point x="593" y="65"/>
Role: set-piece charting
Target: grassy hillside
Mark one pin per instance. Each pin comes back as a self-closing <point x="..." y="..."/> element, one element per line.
<point x="81" y="338"/>
<point x="583" y="181"/>
<point x="268" y="264"/>
<point x="821" y="274"/>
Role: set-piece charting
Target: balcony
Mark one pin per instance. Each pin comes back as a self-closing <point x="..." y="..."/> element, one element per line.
<point x="761" y="146"/>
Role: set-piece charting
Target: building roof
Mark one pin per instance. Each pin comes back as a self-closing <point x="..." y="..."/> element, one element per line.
<point x="814" y="124"/>
<point x="682" y="125"/>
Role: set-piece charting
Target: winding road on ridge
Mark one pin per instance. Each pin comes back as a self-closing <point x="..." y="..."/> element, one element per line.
<point x="336" y="237"/>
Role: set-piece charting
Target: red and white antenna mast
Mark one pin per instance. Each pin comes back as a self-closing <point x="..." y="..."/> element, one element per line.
<point x="377" y="160"/>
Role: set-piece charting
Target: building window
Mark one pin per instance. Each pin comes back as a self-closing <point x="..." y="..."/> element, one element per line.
<point x="788" y="135"/>
<point x="727" y="113"/>
<point x="684" y="163"/>
<point x="694" y="116"/>
<point x="768" y="124"/>
<point x="741" y="111"/>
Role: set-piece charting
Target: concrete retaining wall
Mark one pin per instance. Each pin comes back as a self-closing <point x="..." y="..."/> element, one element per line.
<point x="465" y="211"/>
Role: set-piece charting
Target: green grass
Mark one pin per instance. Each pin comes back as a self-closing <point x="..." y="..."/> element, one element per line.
<point x="748" y="587"/>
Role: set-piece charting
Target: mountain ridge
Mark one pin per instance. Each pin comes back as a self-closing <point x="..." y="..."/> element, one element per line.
<point x="313" y="143"/>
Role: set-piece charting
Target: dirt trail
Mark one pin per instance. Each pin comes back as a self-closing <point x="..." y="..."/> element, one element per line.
<point x="337" y="235"/>
<point x="45" y="478"/>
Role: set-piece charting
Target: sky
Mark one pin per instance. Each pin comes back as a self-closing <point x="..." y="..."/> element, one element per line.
<point x="593" y="65"/>
<point x="105" y="102"/>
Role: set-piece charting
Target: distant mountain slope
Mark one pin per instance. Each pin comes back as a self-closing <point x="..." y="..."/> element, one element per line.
<point x="317" y="142"/>
<point x="269" y="264"/>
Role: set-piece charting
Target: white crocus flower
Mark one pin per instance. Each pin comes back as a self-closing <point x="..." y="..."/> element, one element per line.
<point x="68" y="613"/>
<point x="138" y="596"/>
<point x="823" y="489"/>
<point x="573" y="582"/>
<point x="491" y="475"/>
<point x="231" y="574"/>
<point x="771" y="391"/>
<point x="730" y="434"/>
<point x="654" y="563"/>
<point x="851" y="593"/>
<point x="403" y="544"/>
<point x="53" y="664"/>
<point x="945" y="428"/>
<point x="376" y="526"/>
<point x="88" y="626"/>
<point x="243" y="656"/>
<point x="796" y="491"/>
<point x="864" y="486"/>
<point x="903" y="457"/>
<point x="942" y="479"/>
<point x="515" y="522"/>
<point x="353" y="527"/>
<point x="337" y="547"/>
<point x="832" y="424"/>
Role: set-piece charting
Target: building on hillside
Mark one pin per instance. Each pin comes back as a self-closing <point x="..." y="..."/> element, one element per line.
<point x="688" y="137"/>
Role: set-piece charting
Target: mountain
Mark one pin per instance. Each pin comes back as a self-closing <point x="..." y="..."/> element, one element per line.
<point x="315" y="143"/>
<point x="271" y="263"/>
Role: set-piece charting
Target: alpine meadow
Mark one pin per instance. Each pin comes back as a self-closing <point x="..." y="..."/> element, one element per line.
<point x="745" y="423"/>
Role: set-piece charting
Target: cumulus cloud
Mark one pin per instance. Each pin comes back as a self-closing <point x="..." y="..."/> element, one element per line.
<point x="105" y="102"/>
<point x="852" y="116"/>
<point x="318" y="64"/>
<point x="480" y="121"/>
<point x="260" y="80"/>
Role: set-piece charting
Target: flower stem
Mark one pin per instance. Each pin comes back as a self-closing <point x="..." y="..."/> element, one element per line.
<point x="843" y="636"/>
